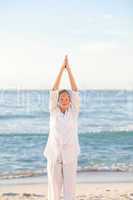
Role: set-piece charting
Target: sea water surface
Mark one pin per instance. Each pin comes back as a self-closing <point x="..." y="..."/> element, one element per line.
<point x="105" y="132"/>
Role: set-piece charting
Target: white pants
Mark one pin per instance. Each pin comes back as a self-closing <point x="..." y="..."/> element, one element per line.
<point x="60" y="176"/>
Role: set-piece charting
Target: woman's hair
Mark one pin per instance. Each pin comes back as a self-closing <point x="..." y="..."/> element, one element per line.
<point x="61" y="91"/>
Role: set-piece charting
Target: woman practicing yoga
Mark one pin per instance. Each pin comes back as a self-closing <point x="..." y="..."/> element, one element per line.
<point x="62" y="148"/>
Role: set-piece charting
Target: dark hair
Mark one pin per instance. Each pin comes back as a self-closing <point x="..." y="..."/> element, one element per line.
<point x="61" y="91"/>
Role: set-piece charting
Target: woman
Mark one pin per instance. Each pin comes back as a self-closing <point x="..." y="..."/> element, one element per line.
<point x="62" y="148"/>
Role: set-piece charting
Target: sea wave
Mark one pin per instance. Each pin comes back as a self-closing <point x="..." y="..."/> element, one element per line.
<point x="109" y="131"/>
<point x="26" y="174"/>
<point x="23" y="174"/>
<point x="113" y="168"/>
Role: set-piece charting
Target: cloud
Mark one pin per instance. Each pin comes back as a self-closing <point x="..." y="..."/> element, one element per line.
<point x="108" y="16"/>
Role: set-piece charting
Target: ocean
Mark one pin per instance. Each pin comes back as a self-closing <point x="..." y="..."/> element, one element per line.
<point x="105" y="132"/>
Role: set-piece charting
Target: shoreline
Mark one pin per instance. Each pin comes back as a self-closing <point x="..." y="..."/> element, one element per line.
<point x="82" y="177"/>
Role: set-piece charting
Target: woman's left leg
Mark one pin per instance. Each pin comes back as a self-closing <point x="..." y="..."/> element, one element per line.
<point x="69" y="180"/>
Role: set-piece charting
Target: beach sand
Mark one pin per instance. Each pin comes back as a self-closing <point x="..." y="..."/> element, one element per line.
<point x="84" y="191"/>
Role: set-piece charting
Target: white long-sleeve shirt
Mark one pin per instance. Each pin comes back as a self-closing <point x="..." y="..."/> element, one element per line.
<point x="63" y="129"/>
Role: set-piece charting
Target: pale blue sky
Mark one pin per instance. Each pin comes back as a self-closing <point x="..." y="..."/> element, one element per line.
<point x="96" y="35"/>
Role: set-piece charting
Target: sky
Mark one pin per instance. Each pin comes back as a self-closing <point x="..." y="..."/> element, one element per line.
<point x="96" y="35"/>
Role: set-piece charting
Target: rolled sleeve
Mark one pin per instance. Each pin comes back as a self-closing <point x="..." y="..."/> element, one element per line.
<point x="75" y="100"/>
<point x="53" y="100"/>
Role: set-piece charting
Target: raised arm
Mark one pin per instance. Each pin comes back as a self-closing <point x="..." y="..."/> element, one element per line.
<point x="54" y="92"/>
<point x="75" y="97"/>
<point x="58" y="78"/>
<point x="71" y="77"/>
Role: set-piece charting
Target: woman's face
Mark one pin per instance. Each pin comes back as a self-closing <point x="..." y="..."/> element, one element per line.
<point x="64" y="101"/>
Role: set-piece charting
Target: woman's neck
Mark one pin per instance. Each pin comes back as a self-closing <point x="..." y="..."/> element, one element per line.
<point x="63" y="110"/>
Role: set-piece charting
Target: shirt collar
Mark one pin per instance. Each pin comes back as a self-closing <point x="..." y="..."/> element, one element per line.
<point x="64" y="113"/>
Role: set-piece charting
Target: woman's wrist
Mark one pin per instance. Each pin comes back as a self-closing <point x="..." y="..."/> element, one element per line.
<point x="68" y="69"/>
<point x="62" y="68"/>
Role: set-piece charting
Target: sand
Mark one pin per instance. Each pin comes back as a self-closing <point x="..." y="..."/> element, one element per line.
<point x="84" y="191"/>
